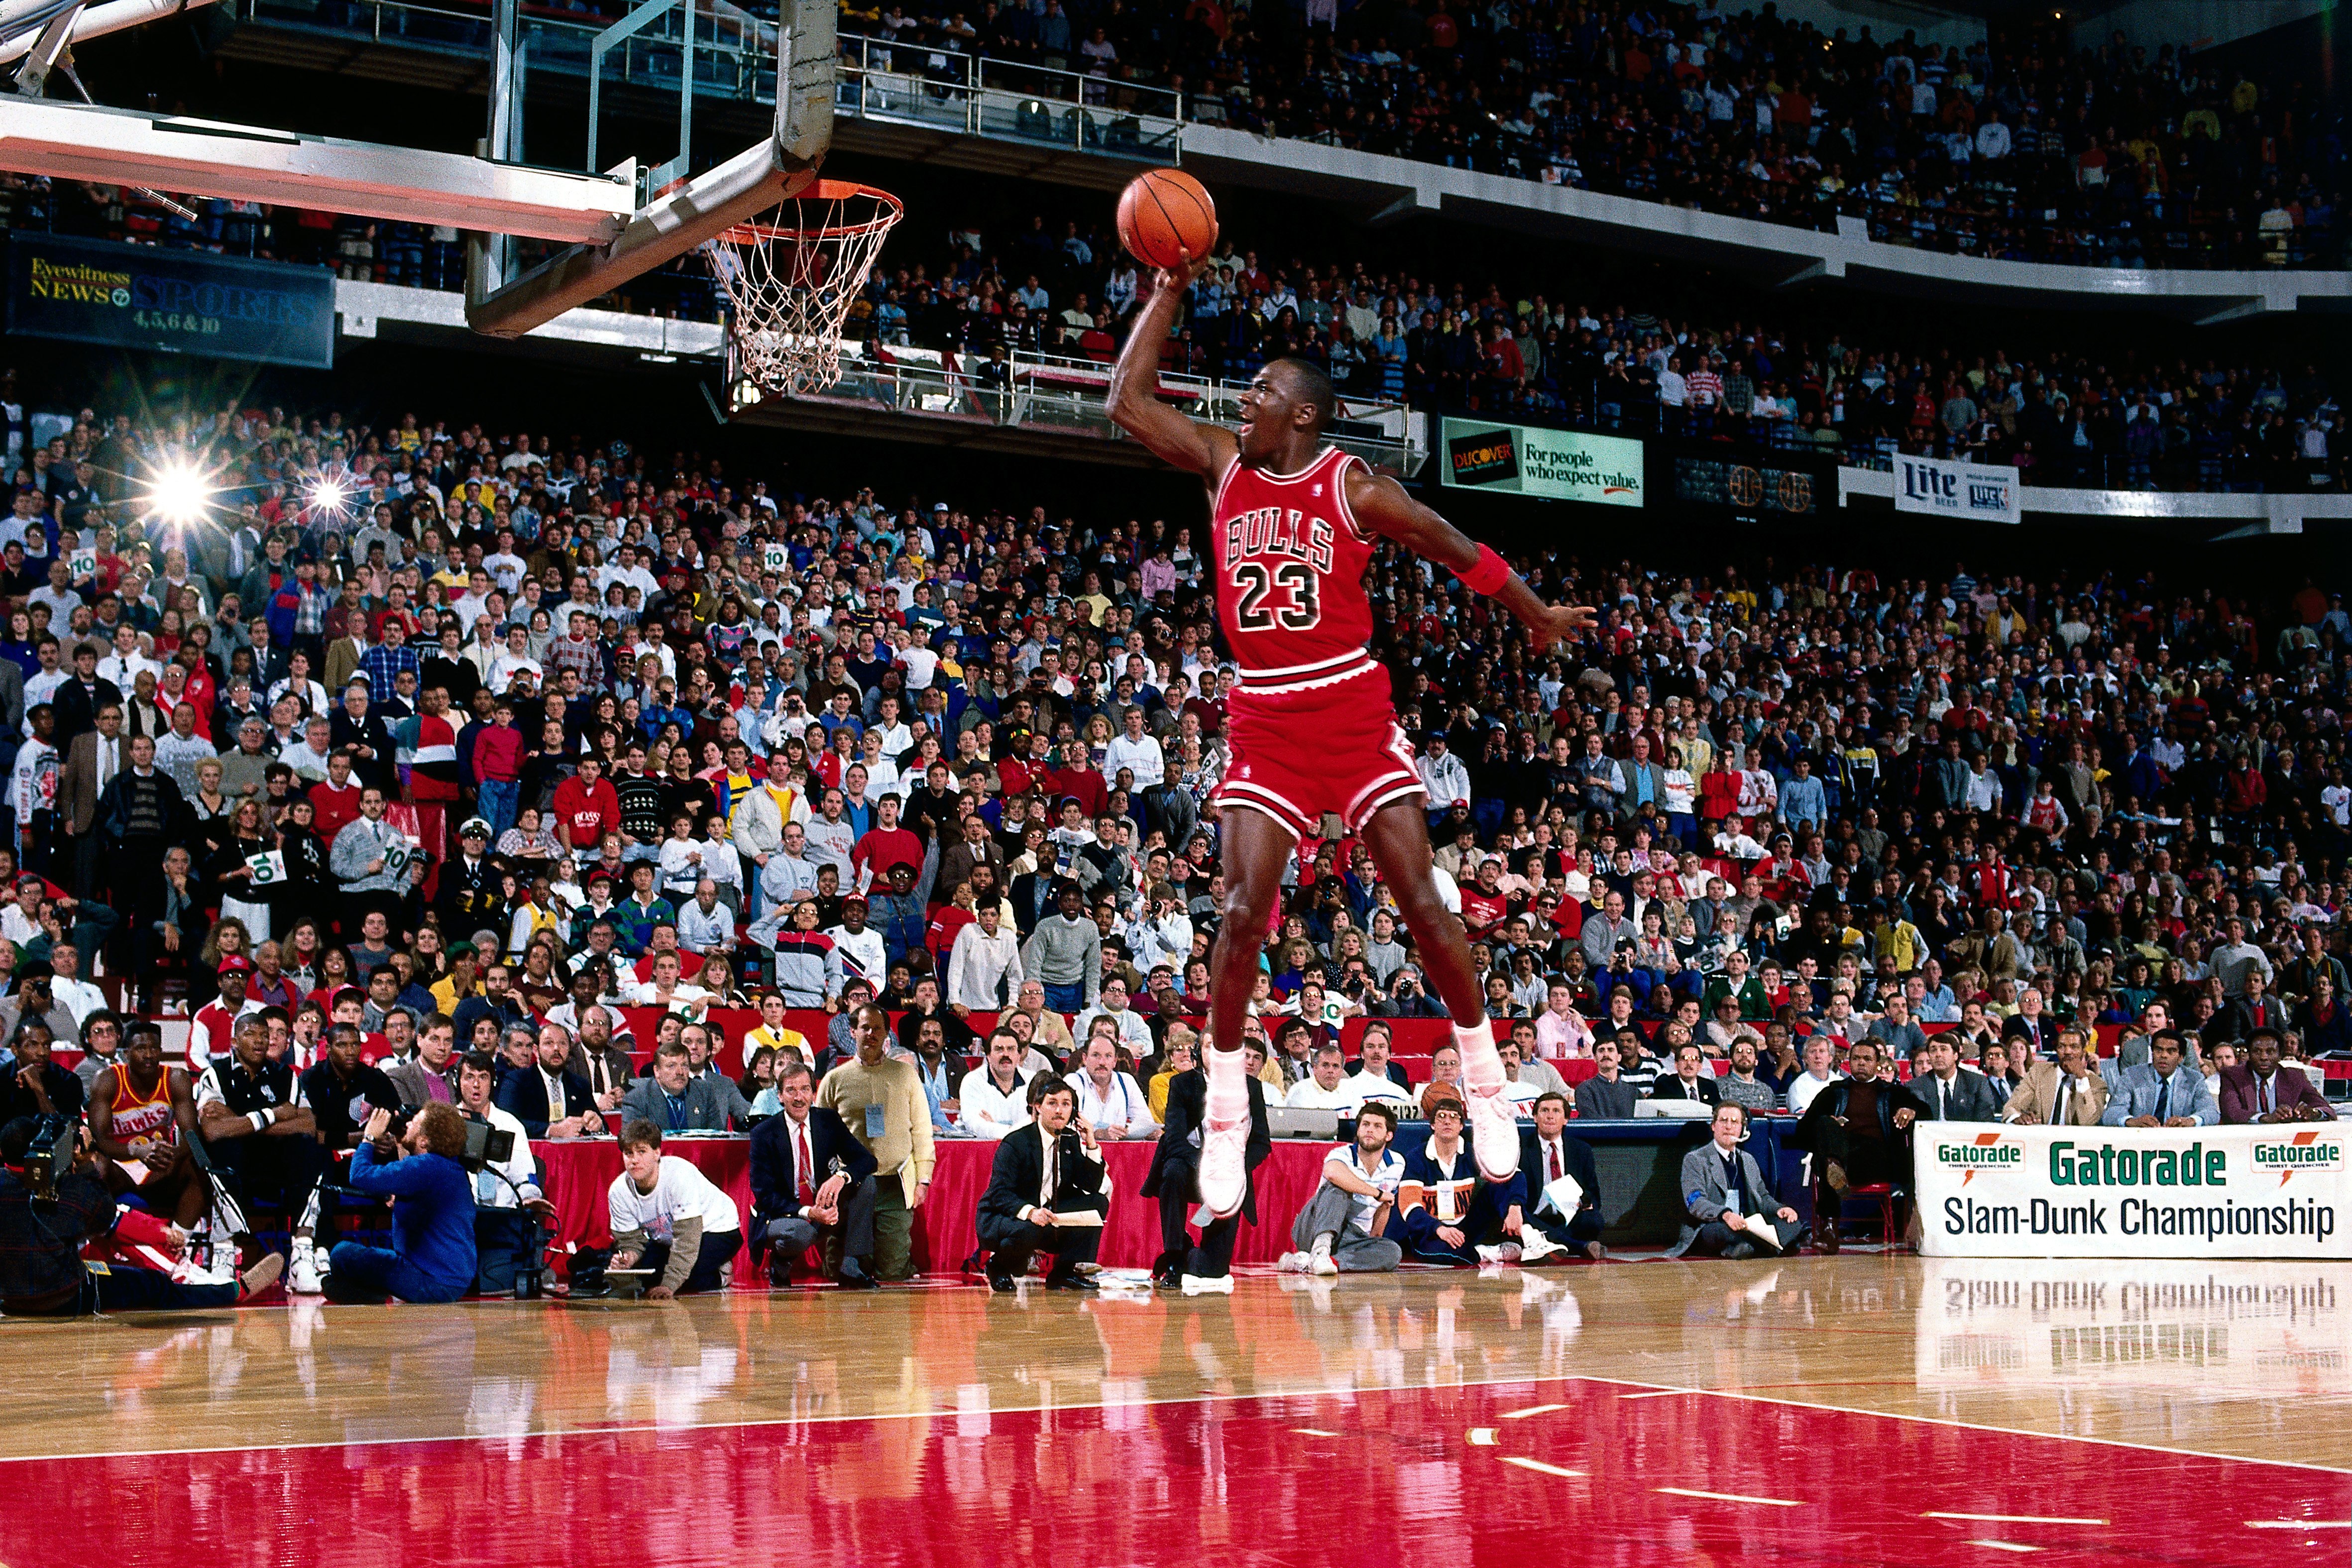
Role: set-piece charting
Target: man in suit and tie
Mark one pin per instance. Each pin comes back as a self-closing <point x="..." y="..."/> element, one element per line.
<point x="675" y="1100"/>
<point x="2067" y="1092"/>
<point x="1045" y="1168"/>
<point x="812" y="1183"/>
<point x="2162" y="1091"/>
<point x="2132" y="1050"/>
<point x="2260" y="1089"/>
<point x="1691" y="1079"/>
<point x="1723" y="1190"/>
<point x="550" y="1099"/>
<point x="1546" y="1154"/>
<point x="91" y="761"/>
<point x="1945" y="1093"/>
<point x="1174" y="1181"/>
<point x="2031" y="1023"/>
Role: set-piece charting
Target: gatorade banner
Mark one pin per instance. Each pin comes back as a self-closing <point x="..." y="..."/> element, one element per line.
<point x="2135" y="1192"/>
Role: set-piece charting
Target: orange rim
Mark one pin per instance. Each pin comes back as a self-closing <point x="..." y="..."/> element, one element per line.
<point x="822" y="191"/>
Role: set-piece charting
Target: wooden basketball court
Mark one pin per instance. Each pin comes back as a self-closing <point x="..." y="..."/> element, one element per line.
<point x="1865" y="1408"/>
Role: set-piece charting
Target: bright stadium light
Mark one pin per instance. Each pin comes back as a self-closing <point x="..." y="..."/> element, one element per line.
<point x="180" y="493"/>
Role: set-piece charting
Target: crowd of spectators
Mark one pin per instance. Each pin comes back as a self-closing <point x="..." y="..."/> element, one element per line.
<point x="423" y="751"/>
<point x="2026" y="144"/>
<point x="1531" y="349"/>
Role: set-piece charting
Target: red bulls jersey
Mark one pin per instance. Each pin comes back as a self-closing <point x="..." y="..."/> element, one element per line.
<point x="1290" y="575"/>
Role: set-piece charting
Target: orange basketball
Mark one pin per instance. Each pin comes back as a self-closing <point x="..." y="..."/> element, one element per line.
<point x="1165" y="216"/>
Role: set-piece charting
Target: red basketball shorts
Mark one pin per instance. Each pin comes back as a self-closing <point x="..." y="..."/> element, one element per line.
<point x="1296" y="756"/>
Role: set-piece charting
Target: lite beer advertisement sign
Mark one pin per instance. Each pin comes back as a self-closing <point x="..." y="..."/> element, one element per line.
<point x="180" y="301"/>
<point x="1565" y="465"/>
<point x="2284" y="1191"/>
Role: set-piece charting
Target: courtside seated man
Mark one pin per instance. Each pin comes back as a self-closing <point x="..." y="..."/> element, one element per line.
<point x="1044" y="1195"/>
<point x="1311" y="729"/>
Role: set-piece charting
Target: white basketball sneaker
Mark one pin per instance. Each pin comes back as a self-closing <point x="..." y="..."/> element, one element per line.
<point x="1494" y="1134"/>
<point x="1225" y="1164"/>
<point x="304" y="1279"/>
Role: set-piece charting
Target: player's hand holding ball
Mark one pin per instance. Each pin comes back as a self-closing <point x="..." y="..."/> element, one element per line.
<point x="1167" y="221"/>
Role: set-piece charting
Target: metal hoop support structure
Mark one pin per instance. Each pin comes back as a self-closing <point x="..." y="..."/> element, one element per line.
<point x="793" y="278"/>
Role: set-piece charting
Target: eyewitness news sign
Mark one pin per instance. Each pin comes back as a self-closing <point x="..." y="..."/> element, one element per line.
<point x="2135" y="1192"/>
<point x="183" y="301"/>
<point x="1521" y="459"/>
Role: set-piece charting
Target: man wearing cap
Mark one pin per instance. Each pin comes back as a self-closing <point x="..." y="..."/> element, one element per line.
<point x="858" y="950"/>
<point x="215" y="1023"/>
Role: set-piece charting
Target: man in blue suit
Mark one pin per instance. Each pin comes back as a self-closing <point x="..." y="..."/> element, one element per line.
<point x="811" y="1180"/>
<point x="2162" y="1091"/>
<point x="552" y="1102"/>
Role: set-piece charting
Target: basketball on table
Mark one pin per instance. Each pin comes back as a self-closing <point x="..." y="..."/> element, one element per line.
<point x="1165" y="216"/>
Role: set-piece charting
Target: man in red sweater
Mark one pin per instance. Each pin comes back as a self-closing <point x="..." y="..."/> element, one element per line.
<point x="885" y="844"/>
<point x="336" y="798"/>
<point x="497" y="769"/>
<point x="586" y="809"/>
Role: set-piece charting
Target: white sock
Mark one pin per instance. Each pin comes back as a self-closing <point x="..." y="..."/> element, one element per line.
<point x="1322" y="1248"/>
<point x="1481" y="1064"/>
<point x="1228" y="1097"/>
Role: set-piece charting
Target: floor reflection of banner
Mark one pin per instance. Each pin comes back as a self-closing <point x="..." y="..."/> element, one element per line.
<point x="1987" y="1322"/>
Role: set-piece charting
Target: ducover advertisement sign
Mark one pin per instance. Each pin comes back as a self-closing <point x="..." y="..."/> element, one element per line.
<point x="183" y="301"/>
<point x="2282" y="1191"/>
<point x="1563" y="464"/>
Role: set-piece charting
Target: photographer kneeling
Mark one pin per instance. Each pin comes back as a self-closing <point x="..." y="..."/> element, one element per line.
<point x="42" y="1273"/>
<point x="432" y="1212"/>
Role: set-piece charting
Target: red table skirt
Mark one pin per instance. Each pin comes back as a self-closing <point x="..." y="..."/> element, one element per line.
<point x="577" y="1174"/>
<point x="944" y="1235"/>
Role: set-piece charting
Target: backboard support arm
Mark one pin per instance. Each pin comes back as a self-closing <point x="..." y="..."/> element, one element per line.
<point x="677" y="221"/>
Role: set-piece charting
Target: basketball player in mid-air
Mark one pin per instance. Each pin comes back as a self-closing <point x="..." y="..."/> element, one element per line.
<point x="1311" y="729"/>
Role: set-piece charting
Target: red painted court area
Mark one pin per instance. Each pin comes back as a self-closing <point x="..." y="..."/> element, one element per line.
<point x="1396" y="1476"/>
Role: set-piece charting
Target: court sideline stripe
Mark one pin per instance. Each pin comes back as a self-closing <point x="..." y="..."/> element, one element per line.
<point x="602" y="1431"/>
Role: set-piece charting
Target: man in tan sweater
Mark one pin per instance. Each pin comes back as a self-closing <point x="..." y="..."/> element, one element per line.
<point x="881" y="1098"/>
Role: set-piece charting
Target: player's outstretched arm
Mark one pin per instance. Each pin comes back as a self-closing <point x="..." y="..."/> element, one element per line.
<point x="1382" y="505"/>
<point x="1135" y="406"/>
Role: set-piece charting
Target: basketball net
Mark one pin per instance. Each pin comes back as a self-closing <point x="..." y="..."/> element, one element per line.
<point x="791" y="280"/>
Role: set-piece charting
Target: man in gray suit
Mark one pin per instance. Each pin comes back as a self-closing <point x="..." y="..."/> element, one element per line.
<point x="1723" y="1188"/>
<point x="436" y="1061"/>
<point x="675" y="1100"/>
<point x="2132" y="1050"/>
<point x="2163" y="1091"/>
<point x="1945" y="1093"/>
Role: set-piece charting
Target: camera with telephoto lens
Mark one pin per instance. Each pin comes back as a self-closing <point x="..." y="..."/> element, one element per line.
<point x="49" y="1158"/>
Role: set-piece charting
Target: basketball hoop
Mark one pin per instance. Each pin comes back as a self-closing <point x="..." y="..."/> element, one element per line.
<point x="791" y="281"/>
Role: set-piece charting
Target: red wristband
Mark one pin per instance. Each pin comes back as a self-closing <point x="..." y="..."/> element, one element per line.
<point x="1488" y="576"/>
